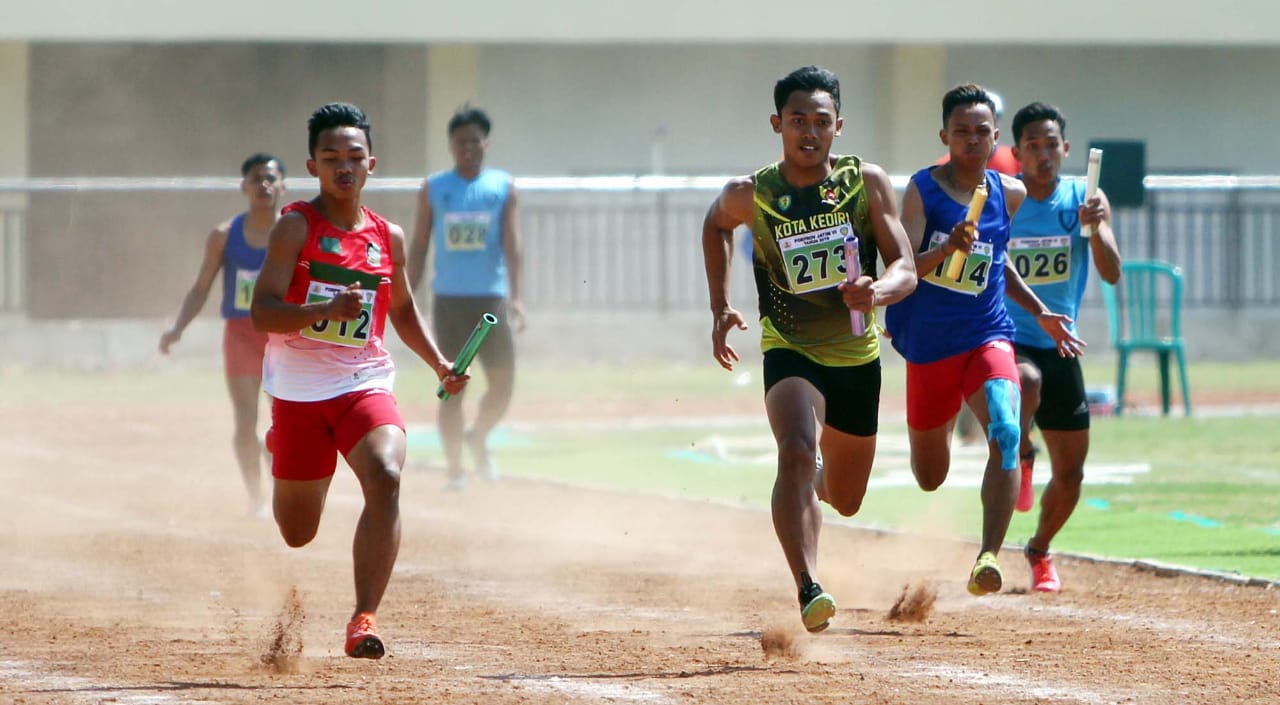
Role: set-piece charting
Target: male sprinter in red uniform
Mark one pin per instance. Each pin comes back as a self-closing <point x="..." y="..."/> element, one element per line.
<point x="334" y="273"/>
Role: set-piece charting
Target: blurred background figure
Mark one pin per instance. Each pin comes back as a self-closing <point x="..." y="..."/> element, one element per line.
<point x="238" y="247"/>
<point x="469" y="214"/>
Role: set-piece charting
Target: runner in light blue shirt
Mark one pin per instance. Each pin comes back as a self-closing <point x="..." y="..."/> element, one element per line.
<point x="1048" y="250"/>
<point x="469" y="216"/>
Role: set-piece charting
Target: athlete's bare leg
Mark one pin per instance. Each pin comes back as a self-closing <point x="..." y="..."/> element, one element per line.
<point x="449" y="423"/>
<point x="1067" y="453"/>
<point x="245" y="396"/>
<point x="298" y="506"/>
<point x="846" y="468"/>
<point x="999" y="487"/>
<point x="793" y="406"/>
<point x="377" y="459"/>
<point x="931" y="454"/>
<point x="500" y="384"/>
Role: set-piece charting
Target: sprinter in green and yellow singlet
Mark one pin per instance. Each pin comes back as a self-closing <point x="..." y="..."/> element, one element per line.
<point x="816" y="371"/>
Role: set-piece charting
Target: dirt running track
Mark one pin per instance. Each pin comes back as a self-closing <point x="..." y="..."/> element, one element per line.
<point x="128" y="574"/>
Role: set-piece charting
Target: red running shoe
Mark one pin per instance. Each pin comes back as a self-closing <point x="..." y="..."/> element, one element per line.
<point x="1044" y="577"/>
<point x="1026" y="493"/>
<point x="362" y="637"/>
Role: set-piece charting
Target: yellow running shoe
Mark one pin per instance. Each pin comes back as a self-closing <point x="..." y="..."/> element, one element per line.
<point x="816" y="607"/>
<point x="986" y="577"/>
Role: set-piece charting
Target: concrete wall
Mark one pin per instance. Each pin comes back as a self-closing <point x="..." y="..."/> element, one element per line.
<point x="198" y="109"/>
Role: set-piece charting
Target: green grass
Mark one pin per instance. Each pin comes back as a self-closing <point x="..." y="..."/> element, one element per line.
<point x="1198" y="506"/>
<point x="1210" y="500"/>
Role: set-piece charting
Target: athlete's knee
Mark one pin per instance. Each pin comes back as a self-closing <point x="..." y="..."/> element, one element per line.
<point x="381" y="483"/>
<point x="847" y="503"/>
<point x="1005" y="426"/>
<point x="1031" y="378"/>
<point x="927" y="481"/>
<point x="1071" y="478"/>
<point x="245" y="435"/>
<point x="297" y="534"/>
<point x="930" y="459"/>
<point x="798" y="457"/>
<point x="502" y="382"/>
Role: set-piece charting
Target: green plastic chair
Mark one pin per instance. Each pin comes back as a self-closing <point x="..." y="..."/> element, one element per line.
<point x="1137" y="322"/>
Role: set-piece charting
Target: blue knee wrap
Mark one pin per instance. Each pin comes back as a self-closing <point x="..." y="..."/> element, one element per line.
<point x="1003" y="402"/>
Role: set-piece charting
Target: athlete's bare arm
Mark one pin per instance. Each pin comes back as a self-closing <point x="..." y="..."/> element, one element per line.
<point x="899" y="277"/>
<point x="513" y="248"/>
<point x="270" y="312"/>
<point x="1106" y="253"/>
<point x="1057" y="325"/>
<point x="913" y="223"/>
<point x="214" y="246"/>
<point x="733" y="207"/>
<point x="420" y="240"/>
<point x="1015" y="192"/>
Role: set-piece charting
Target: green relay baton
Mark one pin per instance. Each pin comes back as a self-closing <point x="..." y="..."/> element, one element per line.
<point x="469" y="350"/>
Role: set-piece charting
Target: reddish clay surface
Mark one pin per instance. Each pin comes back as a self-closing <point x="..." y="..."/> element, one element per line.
<point x="129" y="574"/>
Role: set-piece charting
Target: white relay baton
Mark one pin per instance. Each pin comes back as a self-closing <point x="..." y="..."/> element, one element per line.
<point x="1091" y="183"/>
<point x="857" y="325"/>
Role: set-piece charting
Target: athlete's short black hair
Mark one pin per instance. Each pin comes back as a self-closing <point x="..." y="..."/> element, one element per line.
<point x="336" y="115"/>
<point x="467" y="115"/>
<point x="1036" y="112"/>
<point x="261" y="158"/>
<point x="808" y="79"/>
<point x="966" y="94"/>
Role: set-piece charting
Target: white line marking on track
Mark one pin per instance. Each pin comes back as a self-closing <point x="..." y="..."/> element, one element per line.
<point x="34" y="679"/>
<point x="592" y="692"/>
<point x="992" y="684"/>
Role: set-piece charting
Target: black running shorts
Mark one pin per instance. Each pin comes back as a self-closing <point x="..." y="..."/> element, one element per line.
<point x="852" y="393"/>
<point x="1063" y="405"/>
<point x="453" y="319"/>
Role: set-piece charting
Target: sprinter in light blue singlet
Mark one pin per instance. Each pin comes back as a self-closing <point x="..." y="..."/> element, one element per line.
<point x="469" y="216"/>
<point x="466" y="232"/>
<point x="1049" y="251"/>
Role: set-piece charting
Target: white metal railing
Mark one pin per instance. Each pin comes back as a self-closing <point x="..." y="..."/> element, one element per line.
<point x="633" y="241"/>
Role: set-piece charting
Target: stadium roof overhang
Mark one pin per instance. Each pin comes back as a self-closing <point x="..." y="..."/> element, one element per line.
<point x="1130" y="22"/>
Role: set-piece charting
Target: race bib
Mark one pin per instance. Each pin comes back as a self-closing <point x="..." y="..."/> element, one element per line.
<point x="977" y="268"/>
<point x="815" y="261"/>
<point x="244" y="289"/>
<point x="1042" y="260"/>
<point x="466" y="231"/>
<point x="351" y="334"/>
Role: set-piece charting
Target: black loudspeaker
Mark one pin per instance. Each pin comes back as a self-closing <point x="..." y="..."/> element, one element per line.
<point x="1124" y="166"/>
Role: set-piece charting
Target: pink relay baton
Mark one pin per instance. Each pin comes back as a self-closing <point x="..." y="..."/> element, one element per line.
<point x="857" y="325"/>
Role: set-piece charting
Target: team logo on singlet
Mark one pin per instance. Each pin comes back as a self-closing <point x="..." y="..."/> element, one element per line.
<point x="331" y="245"/>
<point x="829" y="195"/>
<point x="784" y="202"/>
<point x="373" y="254"/>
